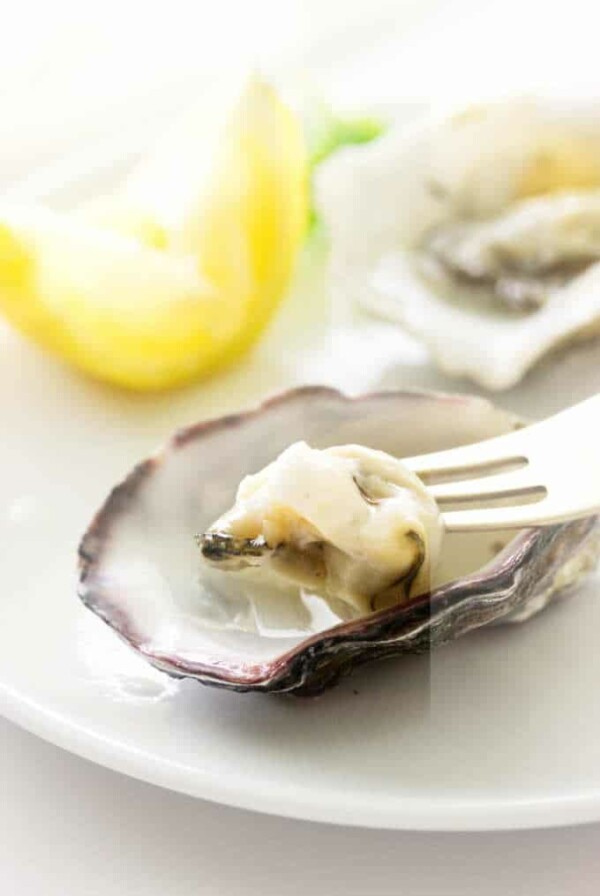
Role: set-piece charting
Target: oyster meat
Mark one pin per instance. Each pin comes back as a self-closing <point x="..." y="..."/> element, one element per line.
<point x="478" y="230"/>
<point x="523" y="255"/>
<point x="347" y="522"/>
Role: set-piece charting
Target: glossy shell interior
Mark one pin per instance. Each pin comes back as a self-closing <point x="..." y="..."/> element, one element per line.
<point x="141" y="571"/>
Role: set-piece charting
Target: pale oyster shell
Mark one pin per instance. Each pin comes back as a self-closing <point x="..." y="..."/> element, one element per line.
<point x="141" y="572"/>
<point x="379" y="201"/>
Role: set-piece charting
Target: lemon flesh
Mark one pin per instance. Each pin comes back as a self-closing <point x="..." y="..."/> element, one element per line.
<point x="148" y="295"/>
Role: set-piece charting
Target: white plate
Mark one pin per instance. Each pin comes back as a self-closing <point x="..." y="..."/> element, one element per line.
<point x="498" y="730"/>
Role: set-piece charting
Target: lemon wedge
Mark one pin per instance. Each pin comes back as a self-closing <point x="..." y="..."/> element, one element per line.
<point x="182" y="270"/>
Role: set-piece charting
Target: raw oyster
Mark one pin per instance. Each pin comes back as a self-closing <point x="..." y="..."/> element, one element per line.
<point x="478" y="231"/>
<point x="142" y="573"/>
<point x="348" y="523"/>
<point x="524" y="255"/>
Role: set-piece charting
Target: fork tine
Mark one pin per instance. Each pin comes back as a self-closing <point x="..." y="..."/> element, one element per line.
<point x="541" y="513"/>
<point x="492" y="518"/>
<point x="492" y="454"/>
<point x="518" y="484"/>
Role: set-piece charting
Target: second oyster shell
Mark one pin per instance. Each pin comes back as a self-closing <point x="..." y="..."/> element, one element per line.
<point x="477" y="230"/>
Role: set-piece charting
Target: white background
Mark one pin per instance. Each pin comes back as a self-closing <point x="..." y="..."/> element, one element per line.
<point x="66" y="826"/>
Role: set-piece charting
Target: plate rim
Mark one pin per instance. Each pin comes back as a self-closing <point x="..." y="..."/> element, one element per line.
<point x="402" y="814"/>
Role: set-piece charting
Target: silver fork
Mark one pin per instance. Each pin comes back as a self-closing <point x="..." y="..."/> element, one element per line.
<point x="549" y="472"/>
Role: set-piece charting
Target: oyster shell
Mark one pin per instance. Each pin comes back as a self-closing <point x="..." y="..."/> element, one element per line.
<point x="478" y="231"/>
<point x="141" y="572"/>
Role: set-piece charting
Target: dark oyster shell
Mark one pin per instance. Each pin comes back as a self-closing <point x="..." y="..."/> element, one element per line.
<point x="148" y="519"/>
